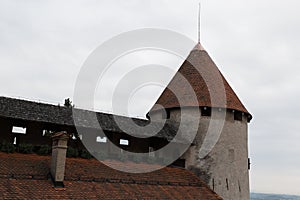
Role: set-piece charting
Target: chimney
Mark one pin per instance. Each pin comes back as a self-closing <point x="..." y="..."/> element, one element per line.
<point x="58" y="159"/>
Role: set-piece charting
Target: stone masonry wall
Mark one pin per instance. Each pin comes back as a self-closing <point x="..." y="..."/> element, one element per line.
<point x="225" y="168"/>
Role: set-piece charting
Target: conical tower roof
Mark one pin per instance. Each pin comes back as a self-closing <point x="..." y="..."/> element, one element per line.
<point x="203" y="76"/>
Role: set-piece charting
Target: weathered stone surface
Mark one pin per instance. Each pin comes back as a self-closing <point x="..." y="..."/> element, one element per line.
<point x="225" y="168"/>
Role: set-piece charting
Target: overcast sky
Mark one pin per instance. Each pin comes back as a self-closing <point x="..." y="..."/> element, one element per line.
<point x="255" y="44"/>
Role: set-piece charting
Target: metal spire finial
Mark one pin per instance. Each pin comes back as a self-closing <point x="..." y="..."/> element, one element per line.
<point x="199" y="23"/>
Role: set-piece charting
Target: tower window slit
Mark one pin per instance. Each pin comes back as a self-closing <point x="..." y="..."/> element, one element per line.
<point x="166" y="114"/>
<point x="205" y="111"/>
<point x="238" y="116"/>
<point x="227" y="186"/>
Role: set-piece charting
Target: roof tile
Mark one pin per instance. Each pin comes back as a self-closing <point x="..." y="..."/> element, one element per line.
<point x="91" y="179"/>
<point x="200" y="71"/>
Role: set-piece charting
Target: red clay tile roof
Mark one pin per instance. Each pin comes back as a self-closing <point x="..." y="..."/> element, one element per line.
<point x="24" y="176"/>
<point x="197" y="65"/>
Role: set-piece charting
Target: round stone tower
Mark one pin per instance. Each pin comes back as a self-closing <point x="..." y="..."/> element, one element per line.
<point x="219" y="152"/>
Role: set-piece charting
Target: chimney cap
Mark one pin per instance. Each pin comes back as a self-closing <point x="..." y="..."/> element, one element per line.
<point x="61" y="135"/>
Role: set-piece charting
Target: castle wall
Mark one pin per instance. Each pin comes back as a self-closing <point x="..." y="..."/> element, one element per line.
<point x="225" y="168"/>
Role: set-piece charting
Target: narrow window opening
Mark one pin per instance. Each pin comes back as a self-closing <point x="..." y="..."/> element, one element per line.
<point x="205" y="111"/>
<point x="213" y="184"/>
<point x="15" y="140"/>
<point x="124" y="142"/>
<point x="166" y="114"/>
<point x="19" y="130"/>
<point x="101" y="140"/>
<point x="227" y="186"/>
<point x="239" y="187"/>
<point x="238" y="116"/>
<point x="249" y="163"/>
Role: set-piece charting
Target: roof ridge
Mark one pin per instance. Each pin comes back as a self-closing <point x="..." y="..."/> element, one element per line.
<point x="64" y="107"/>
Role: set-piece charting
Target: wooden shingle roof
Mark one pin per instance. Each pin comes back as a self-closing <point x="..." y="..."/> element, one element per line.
<point x="18" y="109"/>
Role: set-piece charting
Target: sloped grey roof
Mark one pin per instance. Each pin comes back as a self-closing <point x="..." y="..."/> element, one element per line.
<point x="59" y="115"/>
